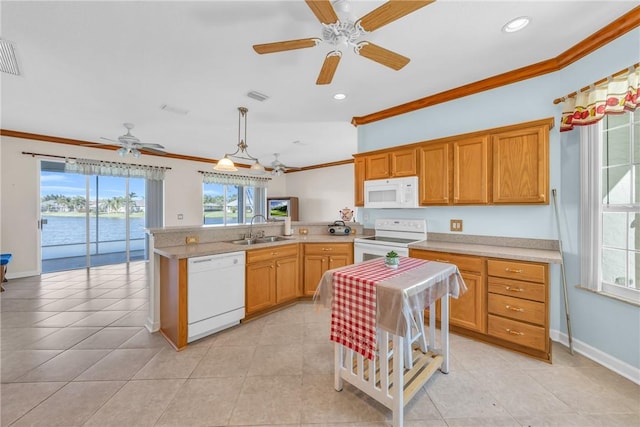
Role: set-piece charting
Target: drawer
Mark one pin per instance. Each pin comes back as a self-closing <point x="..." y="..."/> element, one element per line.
<point x="517" y="308"/>
<point x="266" y="254"/>
<point x="327" y="248"/>
<point x="517" y="332"/>
<point x="518" y="289"/>
<point x="464" y="263"/>
<point x="531" y="272"/>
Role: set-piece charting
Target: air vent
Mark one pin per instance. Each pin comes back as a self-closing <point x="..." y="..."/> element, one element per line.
<point x="8" y="61"/>
<point x="257" y="96"/>
<point x="175" y="110"/>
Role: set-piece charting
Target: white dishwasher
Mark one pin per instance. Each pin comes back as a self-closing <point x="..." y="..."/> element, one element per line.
<point x="215" y="293"/>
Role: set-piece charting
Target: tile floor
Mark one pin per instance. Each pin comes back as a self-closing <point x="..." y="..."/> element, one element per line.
<point x="75" y="353"/>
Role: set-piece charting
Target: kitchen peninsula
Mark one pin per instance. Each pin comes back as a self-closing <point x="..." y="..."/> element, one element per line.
<point x="279" y="271"/>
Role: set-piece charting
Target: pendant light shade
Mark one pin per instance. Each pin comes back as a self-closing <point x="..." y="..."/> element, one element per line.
<point x="226" y="164"/>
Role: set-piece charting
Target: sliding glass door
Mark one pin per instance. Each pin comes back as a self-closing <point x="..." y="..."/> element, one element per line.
<point x="89" y="220"/>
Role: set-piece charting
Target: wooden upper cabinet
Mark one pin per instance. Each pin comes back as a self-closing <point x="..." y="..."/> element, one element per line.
<point x="435" y="171"/>
<point x="377" y="166"/>
<point x="521" y="166"/>
<point x="359" y="176"/>
<point x="403" y="163"/>
<point x="471" y="170"/>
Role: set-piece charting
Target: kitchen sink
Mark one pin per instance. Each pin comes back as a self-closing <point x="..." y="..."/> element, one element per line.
<point x="269" y="239"/>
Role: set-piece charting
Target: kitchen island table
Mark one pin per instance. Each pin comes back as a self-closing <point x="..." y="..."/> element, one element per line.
<point x="376" y="316"/>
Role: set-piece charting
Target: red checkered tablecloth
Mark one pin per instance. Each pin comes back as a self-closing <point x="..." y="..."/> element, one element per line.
<point x="353" y="308"/>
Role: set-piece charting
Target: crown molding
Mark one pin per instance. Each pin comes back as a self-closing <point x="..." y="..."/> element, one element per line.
<point x="612" y="31"/>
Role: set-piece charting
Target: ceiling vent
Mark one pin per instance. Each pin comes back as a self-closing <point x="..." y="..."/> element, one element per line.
<point x="8" y="61"/>
<point x="257" y="96"/>
<point x="175" y="110"/>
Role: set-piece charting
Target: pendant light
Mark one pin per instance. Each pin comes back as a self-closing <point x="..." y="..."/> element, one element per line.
<point x="226" y="164"/>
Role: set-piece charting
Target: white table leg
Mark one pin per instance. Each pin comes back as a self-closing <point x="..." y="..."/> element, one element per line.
<point x="444" y="333"/>
<point x="432" y="326"/>
<point x="398" y="381"/>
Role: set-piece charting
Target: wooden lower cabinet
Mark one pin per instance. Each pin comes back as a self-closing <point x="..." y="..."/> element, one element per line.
<point x="272" y="277"/>
<point x="506" y="303"/>
<point x="469" y="310"/>
<point x="519" y="305"/>
<point x="320" y="257"/>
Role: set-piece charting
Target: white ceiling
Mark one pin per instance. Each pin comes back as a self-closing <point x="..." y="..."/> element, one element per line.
<point x="89" y="66"/>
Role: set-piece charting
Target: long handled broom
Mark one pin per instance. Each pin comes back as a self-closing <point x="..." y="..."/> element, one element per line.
<point x="564" y="276"/>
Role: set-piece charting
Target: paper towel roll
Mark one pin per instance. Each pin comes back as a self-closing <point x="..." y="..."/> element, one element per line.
<point x="287" y="226"/>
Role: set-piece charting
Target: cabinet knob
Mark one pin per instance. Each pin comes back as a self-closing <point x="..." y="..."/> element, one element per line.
<point x="513" y="332"/>
<point x="508" y="307"/>
<point x="271" y="266"/>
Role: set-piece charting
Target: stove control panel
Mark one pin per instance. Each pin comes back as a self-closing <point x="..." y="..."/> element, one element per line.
<point x="411" y="225"/>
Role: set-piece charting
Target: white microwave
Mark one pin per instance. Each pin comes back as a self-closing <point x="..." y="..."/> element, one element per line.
<point x="391" y="193"/>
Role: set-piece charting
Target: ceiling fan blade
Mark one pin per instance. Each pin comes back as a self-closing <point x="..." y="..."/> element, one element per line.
<point x="149" y="145"/>
<point x="152" y="150"/>
<point x="382" y="55"/>
<point x="328" y="69"/>
<point x="285" y="45"/>
<point x="389" y="12"/>
<point x="323" y="10"/>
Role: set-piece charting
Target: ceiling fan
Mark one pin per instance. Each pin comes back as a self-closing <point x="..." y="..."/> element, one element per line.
<point x="347" y="33"/>
<point x="130" y="144"/>
<point x="278" y="168"/>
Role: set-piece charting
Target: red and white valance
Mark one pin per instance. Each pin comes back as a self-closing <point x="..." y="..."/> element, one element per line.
<point x="615" y="95"/>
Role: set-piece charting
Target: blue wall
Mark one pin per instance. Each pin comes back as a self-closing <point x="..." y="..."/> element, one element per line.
<point x="605" y="324"/>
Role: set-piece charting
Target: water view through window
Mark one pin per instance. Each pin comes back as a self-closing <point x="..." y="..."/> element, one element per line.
<point x="85" y="219"/>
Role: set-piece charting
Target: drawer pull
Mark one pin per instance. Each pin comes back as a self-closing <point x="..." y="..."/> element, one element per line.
<point x="511" y="270"/>
<point x="509" y="288"/>
<point x="512" y="332"/>
<point x="274" y="253"/>
<point x="508" y="307"/>
<point x="443" y="260"/>
<point x="327" y="249"/>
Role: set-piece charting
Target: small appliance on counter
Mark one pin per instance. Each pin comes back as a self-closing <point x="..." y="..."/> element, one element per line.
<point x="339" y="228"/>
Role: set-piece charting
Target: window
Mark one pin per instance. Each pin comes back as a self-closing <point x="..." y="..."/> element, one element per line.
<point x="611" y="206"/>
<point x="227" y="204"/>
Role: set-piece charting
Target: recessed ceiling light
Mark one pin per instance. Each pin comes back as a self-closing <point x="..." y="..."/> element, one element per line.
<point x="339" y="96"/>
<point x="516" y="24"/>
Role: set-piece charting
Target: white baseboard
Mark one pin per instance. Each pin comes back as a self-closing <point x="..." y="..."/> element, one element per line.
<point x="21" y="274"/>
<point x="152" y="326"/>
<point x="630" y="372"/>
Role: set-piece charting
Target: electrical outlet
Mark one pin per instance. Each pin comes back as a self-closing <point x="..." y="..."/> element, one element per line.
<point x="180" y="217"/>
<point x="456" y="225"/>
<point x="192" y="240"/>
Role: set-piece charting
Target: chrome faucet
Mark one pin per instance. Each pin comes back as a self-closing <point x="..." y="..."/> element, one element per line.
<point x="251" y="225"/>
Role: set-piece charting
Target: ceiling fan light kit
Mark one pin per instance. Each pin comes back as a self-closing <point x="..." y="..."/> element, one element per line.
<point x="347" y="32"/>
<point x="226" y="164"/>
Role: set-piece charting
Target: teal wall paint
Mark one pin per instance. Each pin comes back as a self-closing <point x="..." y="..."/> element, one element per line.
<point x="608" y="325"/>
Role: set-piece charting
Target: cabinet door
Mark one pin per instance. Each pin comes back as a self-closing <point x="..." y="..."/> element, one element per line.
<point x="468" y="311"/>
<point x="314" y="268"/>
<point x="471" y="171"/>
<point x="377" y="166"/>
<point x="336" y="261"/>
<point x="434" y="174"/>
<point x="261" y="289"/>
<point x="286" y="279"/>
<point x="403" y="163"/>
<point x="359" y="177"/>
<point x="521" y="166"/>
